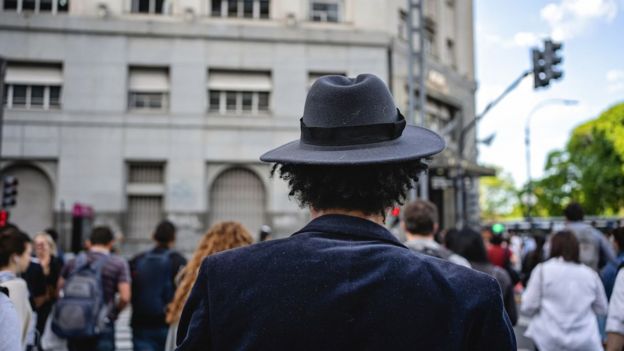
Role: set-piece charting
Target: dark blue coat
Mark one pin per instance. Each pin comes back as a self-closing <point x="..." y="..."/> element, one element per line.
<point x="341" y="283"/>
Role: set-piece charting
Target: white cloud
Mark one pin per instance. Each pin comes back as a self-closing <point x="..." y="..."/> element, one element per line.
<point x="615" y="80"/>
<point x="526" y="39"/>
<point x="569" y="18"/>
<point x="520" y="39"/>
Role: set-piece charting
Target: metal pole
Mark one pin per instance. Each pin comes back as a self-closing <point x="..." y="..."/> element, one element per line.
<point x="2" y="73"/>
<point x="410" y="73"/>
<point x="493" y="103"/>
<point x="422" y="91"/>
<point x="460" y="191"/>
<point x="527" y="144"/>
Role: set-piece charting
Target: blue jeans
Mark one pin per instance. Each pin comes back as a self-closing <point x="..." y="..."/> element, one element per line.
<point x="104" y="342"/>
<point x="149" y="338"/>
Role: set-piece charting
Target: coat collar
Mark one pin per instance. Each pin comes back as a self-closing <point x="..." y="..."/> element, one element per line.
<point x="349" y="226"/>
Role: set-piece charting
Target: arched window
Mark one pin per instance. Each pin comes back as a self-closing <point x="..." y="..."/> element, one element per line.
<point x="238" y="194"/>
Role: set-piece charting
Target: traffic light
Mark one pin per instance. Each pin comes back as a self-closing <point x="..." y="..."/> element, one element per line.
<point x="540" y="78"/>
<point x="545" y="64"/>
<point x="9" y="191"/>
<point x="395" y="217"/>
<point x="4" y="218"/>
<point x="553" y="59"/>
<point x="498" y="228"/>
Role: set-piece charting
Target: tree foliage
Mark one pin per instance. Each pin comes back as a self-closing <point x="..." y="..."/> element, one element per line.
<point x="589" y="170"/>
<point x="498" y="197"/>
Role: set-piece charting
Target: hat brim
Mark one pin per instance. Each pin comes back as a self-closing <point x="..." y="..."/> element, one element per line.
<point x="414" y="143"/>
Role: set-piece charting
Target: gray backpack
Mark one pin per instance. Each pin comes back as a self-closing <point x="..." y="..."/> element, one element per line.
<point x="589" y="249"/>
<point x="82" y="311"/>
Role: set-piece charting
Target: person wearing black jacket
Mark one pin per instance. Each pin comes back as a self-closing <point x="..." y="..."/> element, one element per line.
<point x="469" y="244"/>
<point x="344" y="282"/>
<point x="153" y="285"/>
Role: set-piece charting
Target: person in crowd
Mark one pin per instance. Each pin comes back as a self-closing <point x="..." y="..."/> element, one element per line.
<point x="220" y="237"/>
<point x="420" y="223"/>
<point x="150" y="292"/>
<point x="564" y="298"/>
<point x="615" y="318"/>
<point x="265" y="233"/>
<point x="51" y="266"/>
<point x="115" y="280"/>
<point x="59" y="254"/>
<point x="595" y="249"/>
<point x="344" y="281"/>
<point x="498" y="253"/>
<point x="9" y="323"/>
<point x="610" y="270"/>
<point x="15" y="250"/>
<point x="469" y="244"/>
<point x="533" y="258"/>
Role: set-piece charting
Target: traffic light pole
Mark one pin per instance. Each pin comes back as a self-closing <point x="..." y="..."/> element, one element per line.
<point x="2" y="73"/>
<point x="460" y="185"/>
<point x="489" y="106"/>
<point x="423" y="181"/>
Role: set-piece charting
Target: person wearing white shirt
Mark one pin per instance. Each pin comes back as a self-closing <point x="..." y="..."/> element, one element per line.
<point x="564" y="297"/>
<point x="615" y="319"/>
<point x="15" y="249"/>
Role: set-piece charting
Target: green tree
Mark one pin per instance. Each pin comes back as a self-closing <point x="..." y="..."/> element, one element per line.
<point x="590" y="170"/>
<point x="498" y="197"/>
<point x="558" y="186"/>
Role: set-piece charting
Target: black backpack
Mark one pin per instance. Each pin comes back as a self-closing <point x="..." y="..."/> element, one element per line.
<point x="82" y="312"/>
<point x="152" y="288"/>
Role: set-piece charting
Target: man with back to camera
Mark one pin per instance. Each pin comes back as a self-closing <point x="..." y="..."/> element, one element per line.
<point x="115" y="279"/>
<point x="344" y="282"/>
<point x="153" y="287"/>
<point x="595" y="250"/>
<point x="420" y="223"/>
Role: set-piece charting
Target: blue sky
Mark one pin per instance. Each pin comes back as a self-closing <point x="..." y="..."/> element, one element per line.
<point x="592" y="32"/>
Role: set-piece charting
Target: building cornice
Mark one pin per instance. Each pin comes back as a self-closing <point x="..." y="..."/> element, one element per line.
<point x="201" y="28"/>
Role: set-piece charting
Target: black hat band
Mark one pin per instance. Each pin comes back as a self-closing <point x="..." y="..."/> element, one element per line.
<point x="353" y="135"/>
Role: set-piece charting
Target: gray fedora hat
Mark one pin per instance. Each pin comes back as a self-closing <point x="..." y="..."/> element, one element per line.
<point x="354" y="121"/>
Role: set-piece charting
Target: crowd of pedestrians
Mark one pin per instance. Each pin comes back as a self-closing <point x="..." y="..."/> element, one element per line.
<point x="344" y="281"/>
<point x="40" y="295"/>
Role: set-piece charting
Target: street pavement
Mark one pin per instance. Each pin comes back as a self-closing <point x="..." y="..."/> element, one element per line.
<point x="123" y="333"/>
<point x="524" y="343"/>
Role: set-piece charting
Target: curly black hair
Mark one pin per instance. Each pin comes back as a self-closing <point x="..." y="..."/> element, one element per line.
<point x="370" y="189"/>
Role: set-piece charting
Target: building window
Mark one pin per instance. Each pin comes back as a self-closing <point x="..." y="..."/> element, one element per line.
<point x="324" y="11"/>
<point x="154" y="7"/>
<point x="43" y="6"/>
<point x="33" y="86"/>
<point x="238" y="92"/>
<point x="240" y="8"/>
<point x="430" y="41"/>
<point x="439" y="115"/>
<point x="402" y="28"/>
<point x="450" y="53"/>
<point x="145" y="191"/>
<point x="148" y="89"/>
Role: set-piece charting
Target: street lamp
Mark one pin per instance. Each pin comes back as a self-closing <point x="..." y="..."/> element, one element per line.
<point x="527" y="143"/>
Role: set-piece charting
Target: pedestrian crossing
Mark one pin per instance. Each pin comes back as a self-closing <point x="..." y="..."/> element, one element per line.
<point x="123" y="332"/>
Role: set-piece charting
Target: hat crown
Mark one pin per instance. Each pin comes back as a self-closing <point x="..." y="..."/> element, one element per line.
<point x="338" y="101"/>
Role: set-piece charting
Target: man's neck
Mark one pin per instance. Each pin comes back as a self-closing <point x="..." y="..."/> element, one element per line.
<point x="379" y="219"/>
<point x="100" y="249"/>
<point x="417" y="236"/>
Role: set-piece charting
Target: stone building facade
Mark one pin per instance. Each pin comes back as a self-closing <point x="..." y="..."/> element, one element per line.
<point x="146" y="109"/>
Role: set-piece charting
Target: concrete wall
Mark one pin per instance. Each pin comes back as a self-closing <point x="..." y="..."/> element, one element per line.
<point x="93" y="136"/>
